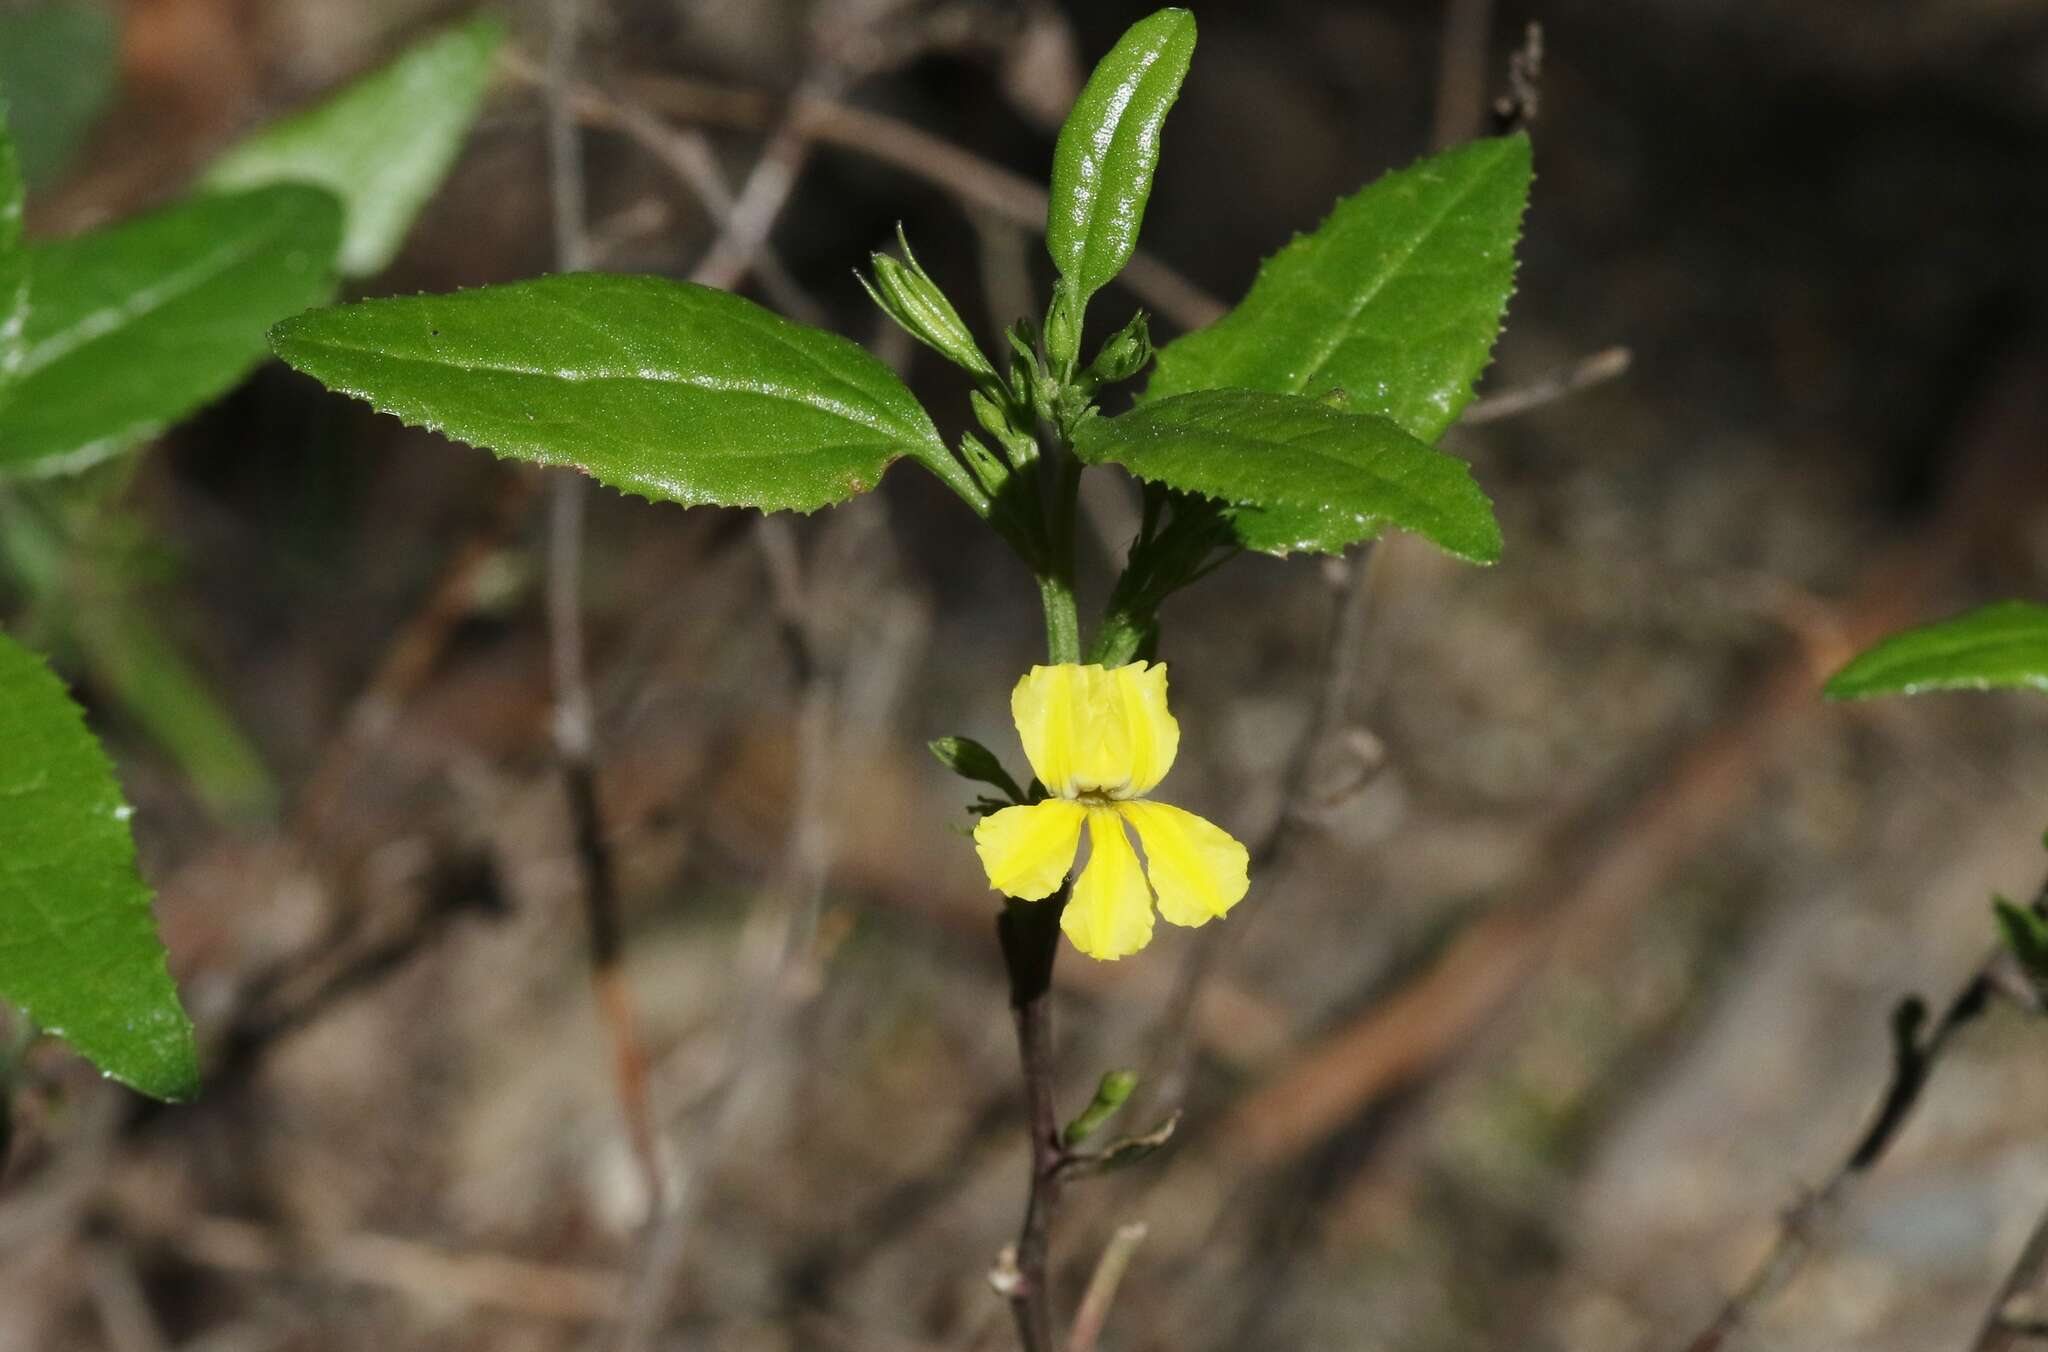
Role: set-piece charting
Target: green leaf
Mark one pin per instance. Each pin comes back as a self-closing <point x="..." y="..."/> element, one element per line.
<point x="2024" y="931"/>
<point x="382" y="145"/>
<point x="57" y="67"/>
<point x="674" y="391"/>
<point x="1323" y="477"/>
<point x="78" y="559"/>
<point x="2002" y="646"/>
<point x="1396" y="299"/>
<point x="13" y="261"/>
<point x="969" y="759"/>
<point x="1102" y="165"/>
<point x="138" y="324"/>
<point x="78" y="950"/>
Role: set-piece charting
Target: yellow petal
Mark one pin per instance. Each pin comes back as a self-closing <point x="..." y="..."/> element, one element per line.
<point x="1028" y="850"/>
<point x="1110" y="914"/>
<point x="1150" y="732"/>
<point x="1086" y="729"/>
<point x="1196" y="867"/>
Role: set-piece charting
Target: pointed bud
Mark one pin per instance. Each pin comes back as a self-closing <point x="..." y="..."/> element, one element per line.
<point x="1124" y="355"/>
<point x="1063" y="329"/>
<point x="910" y="297"/>
<point x="1111" y="1094"/>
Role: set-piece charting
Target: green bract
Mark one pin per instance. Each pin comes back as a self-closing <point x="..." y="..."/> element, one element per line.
<point x="662" y="388"/>
<point x="1318" y="472"/>
<point x="78" y="948"/>
<point x="132" y="326"/>
<point x="1103" y="163"/>
<point x="1396" y="299"/>
<point x="2002" y="646"/>
<point x="382" y="145"/>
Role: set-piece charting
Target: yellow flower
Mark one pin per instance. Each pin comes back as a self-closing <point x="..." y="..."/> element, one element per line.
<point x="1100" y="740"/>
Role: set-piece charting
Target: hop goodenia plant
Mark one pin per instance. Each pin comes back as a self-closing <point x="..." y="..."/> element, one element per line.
<point x="1303" y="420"/>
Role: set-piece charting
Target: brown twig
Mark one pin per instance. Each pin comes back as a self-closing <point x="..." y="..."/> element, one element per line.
<point x="1913" y="1063"/>
<point x="1093" y="1313"/>
<point x="575" y="718"/>
<point x="826" y="121"/>
<point x="435" y="1275"/>
<point x="688" y="157"/>
<point x="1600" y="367"/>
<point x="119" y="1299"/>
<point x="1461" y="71"/>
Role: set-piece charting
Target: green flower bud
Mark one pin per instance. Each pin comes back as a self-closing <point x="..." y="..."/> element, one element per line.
<point x="908" y="295"/>
<point x="1124" y="355"/>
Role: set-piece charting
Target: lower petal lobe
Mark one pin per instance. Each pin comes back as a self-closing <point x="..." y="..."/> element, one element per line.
<point x="1110" y="914"/>
<point x="1197" y="868"/>
<point x="1028" y="850"/>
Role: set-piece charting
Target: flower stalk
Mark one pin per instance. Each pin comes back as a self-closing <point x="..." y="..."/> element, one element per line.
<point x="1029" y="933"/>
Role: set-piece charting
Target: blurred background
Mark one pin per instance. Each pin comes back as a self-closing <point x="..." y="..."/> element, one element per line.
<point x="1571" y="957"/>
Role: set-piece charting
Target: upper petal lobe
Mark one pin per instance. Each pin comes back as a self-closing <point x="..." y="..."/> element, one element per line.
<point x="1086" y="729"/>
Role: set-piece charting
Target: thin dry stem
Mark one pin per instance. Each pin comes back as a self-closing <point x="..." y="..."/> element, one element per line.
<point x="1093" y="1313"/>
<point x="575" y="720"/>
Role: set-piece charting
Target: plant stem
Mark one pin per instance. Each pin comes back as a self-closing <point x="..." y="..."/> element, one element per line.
<point x="1062" y="620"/>
<point x="1056" y="567"/>
<point x="1029" y="932"/>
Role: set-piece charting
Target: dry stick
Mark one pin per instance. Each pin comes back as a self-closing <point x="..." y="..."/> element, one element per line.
<point x="685" y="153"/>
<point x="826" y="121"/>
<point x="429" y="1274"/>
<point x="411" y="656"/>
<point x="120" y="1300"/>
<point x="1582" y="896"/>
<point x="2000" y="1331"/>
<point x="574" y="721"/>
<point x="806" y="863"/>
<point x="1596" y="369"/>
<point x="1461" y="71"/>
<point x="807" y="855"/>
<point x="1102" y="1287"/>
<point x="1912" y="1065"/>
<point x="754" y="211"/>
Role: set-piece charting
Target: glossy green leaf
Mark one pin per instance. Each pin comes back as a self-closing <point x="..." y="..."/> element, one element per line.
<point x="382" y="145"/>
<point x="79" y="951"/>
<point x="2002" y="646"/>
<point x="1103" y="163"/>
<point x="13" y="261"/>
<point x="133" y="326"/>
<point x="1396" y="299"/>
<point x="677" y="392"/>
<point x="58" y="70"/>
<point x="1315" y="470"/>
